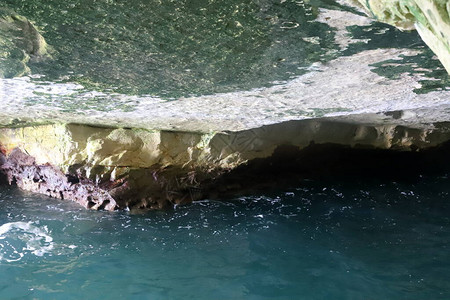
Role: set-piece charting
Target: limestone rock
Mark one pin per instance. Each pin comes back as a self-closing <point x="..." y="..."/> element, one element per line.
<point x="20" y="41"/>
<point x="124" y="118"/>
<point x="431" y="18"/>
<point x="111" y="168"/>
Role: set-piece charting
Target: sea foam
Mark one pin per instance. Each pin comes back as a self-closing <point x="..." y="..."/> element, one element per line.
<point x="18" y="239"/>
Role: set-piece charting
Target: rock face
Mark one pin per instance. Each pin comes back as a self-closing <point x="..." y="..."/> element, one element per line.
<point x="151" y="104"/>
<point x="431" y="18"/>
<point x="117" y="168"/>
<point x="19" y="40"/>
<point x="22" y="170"/>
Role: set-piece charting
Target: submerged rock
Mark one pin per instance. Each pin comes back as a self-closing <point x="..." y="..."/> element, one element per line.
<point x="19" y="41"/>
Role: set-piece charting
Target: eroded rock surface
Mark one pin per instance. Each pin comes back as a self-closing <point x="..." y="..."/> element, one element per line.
<point x="19" y="41"/>
<point x="431" y="18"/>
<point x="139" y="109"/>
<point x="118" y="168"/>
<point x="21" y="169"/>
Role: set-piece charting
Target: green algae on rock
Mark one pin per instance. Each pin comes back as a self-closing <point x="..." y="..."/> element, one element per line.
<point x="19" y="40"/>
<point x="431" y="18"/>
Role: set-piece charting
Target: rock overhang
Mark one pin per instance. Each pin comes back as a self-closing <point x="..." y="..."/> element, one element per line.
<point x="372" y="87"/>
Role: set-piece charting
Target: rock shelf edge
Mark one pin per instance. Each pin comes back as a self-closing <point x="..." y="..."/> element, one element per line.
<point x="129" y="168"/>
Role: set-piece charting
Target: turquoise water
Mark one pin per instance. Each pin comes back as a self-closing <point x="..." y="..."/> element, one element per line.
<point x="366" y="239"/>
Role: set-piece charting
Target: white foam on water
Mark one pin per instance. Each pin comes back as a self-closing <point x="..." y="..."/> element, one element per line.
<point x="18" y="239"/>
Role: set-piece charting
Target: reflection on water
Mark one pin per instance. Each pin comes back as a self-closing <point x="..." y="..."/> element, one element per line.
<point x="322" y="240"/>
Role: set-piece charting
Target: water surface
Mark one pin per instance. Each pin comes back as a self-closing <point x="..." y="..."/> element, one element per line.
<point x="367" y="239"/>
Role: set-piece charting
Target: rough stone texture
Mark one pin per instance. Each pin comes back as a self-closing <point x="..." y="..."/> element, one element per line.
<point x="69" y="132"/>
<point x="347" y="85"/>
<point x="110" y="168"/>
<point x="19" y="41"/>
<point x="431" y="18"/>
<point x="22" y="170"/>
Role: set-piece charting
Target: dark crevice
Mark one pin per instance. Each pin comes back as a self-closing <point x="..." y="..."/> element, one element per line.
<point x="72" y="179"/>
<point x="289" y="166"/>
<point x="103" y="205"/>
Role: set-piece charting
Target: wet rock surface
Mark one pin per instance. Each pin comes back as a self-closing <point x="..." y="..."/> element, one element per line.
<point x="21" y="170"/>
<point x="116" y="168"/>
<point x="144" y="188"/>
<point x="152" y="104"/>
<point x="20" y="41"/>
